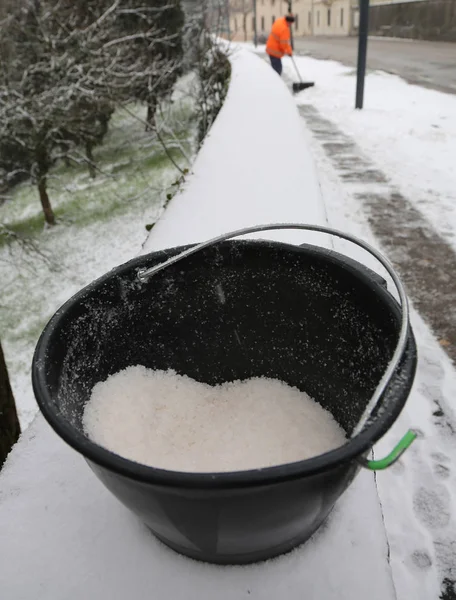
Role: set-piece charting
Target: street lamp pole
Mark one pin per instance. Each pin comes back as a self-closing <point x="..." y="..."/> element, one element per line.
<point x="290" y="12"/>
<point x="362" y="51"/>
<point x="255" y="24"/>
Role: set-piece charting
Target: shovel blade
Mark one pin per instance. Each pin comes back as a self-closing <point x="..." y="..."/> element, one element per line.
<point x="298" y="87"/>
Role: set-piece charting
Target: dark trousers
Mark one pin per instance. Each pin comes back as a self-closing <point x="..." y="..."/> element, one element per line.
<point x="276" y="64"/>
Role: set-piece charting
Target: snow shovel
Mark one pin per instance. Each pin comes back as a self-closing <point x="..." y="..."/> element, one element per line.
<point x="301" y="85"/>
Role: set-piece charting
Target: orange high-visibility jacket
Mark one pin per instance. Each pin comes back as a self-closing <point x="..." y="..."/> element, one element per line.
<point x="279" y="39"/>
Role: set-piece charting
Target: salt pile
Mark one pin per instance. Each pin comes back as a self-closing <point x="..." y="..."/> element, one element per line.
<point x="169" y="421"/>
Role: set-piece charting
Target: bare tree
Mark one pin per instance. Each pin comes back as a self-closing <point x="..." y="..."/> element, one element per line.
<point x="218" y="17"/>
<point x="33" y="95"/>
<point x="28" y="124"/>
<point x="195" y="16"/>
<point x="214" y="72"/>
<point x="9" y="423"/>
<point x="244" y="8"/>
<point x="65" y="64"/>
<point x="170" y="22"/>
<point x="86" y="126"/>
<point x="125" y="50"/>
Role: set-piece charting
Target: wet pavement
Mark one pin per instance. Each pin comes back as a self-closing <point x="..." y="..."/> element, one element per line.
<point x="424" y="260"/>
<point x="429" y="64"/>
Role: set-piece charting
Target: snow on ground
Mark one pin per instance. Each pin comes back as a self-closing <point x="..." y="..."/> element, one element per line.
<point x="407" y="130"/>
<point x="247" y="175"/>
<point x="418" y="495"/>
<point x="64" y="535"/>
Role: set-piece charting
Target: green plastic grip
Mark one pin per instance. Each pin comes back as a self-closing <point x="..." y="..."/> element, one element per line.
<point x="394" y="455"/>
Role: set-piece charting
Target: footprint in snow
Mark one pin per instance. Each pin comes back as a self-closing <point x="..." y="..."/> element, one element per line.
<point x="433" y="507"/>
<point x="431" y="369"/>
<point x="421" y="559"/>
<point x="441" y="469"/>
<point x="440" y="457"/>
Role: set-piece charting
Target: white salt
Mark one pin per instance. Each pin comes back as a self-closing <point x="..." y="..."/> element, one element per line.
<point x="169" y="421"/>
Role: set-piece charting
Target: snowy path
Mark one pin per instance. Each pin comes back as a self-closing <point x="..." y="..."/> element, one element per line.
<point x="408" y="132"/>
<point x="423" y="258"/>
<point x="65" y="537"/>
<point x="418" y="496"/>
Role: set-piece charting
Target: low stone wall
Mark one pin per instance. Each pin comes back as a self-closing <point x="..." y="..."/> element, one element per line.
<point x="428" y="20"/>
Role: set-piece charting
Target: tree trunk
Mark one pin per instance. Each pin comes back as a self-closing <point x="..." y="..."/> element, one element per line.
<point x="151" y="108"/>
<point x="45" y="203"/>
<point x="194" y="13"/>
<point x="9" y="423"/>
<point x="104" y="123"/>
<point x="90" y="160"/>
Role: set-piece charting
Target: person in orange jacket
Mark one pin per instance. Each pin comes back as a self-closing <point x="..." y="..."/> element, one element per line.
<point x="279" y="41"/>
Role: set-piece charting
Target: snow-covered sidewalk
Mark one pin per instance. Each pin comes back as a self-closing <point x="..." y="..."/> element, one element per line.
<point x="408" y="131"/>
<point x="386" y="175"/>
<point x="407" y="134"/>
<point x="65" y="537"/>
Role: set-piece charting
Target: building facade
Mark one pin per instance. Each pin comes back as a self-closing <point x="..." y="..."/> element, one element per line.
<point x="313" y="17"/>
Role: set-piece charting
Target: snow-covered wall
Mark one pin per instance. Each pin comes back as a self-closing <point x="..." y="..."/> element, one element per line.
<point x="255" y="166"/>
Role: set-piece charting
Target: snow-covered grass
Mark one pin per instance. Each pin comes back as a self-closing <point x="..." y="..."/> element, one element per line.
<point x="101" y="223"/>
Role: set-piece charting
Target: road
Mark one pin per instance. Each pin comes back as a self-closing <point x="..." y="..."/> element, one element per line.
<point x="430" y="64"/>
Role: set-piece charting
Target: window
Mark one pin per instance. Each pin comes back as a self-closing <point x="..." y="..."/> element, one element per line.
<point x="262" y="23"/>
<point x="273" y="19"/>
<point x="235" y="24"/>
<point x="341" y="17"/>
<point x="296" y="22"/>
<point x="272" y="2"/>
<point x="329" y="17"/>
<point x="356" y="19"/>
<point x="318" y="18"/>
<point x="309" y="20"/>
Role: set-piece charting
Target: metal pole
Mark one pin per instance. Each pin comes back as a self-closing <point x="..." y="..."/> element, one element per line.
<point x="255" y="24"/>
<point x="362" y="51"/>
<point x="228" y="15"/>
<point x="291" y="25"/>
<point x="312" y="27"/>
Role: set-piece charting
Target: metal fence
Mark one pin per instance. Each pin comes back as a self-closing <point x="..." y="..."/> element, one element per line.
<point x="426" y="20"/>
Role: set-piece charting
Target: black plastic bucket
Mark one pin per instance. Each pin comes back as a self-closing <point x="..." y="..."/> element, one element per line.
<point x="310" y="317"/>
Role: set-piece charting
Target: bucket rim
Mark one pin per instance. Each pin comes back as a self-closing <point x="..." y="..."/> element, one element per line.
<point x="356" y="447"/>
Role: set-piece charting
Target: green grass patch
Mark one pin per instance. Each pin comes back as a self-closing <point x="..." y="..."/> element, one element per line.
<point x="129" y="165"/>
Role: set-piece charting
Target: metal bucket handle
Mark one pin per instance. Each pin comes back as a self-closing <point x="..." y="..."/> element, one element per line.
<point x="410" y="436"/>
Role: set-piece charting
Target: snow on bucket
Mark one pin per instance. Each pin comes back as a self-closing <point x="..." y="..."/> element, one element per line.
<point x="223" y="311"/>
